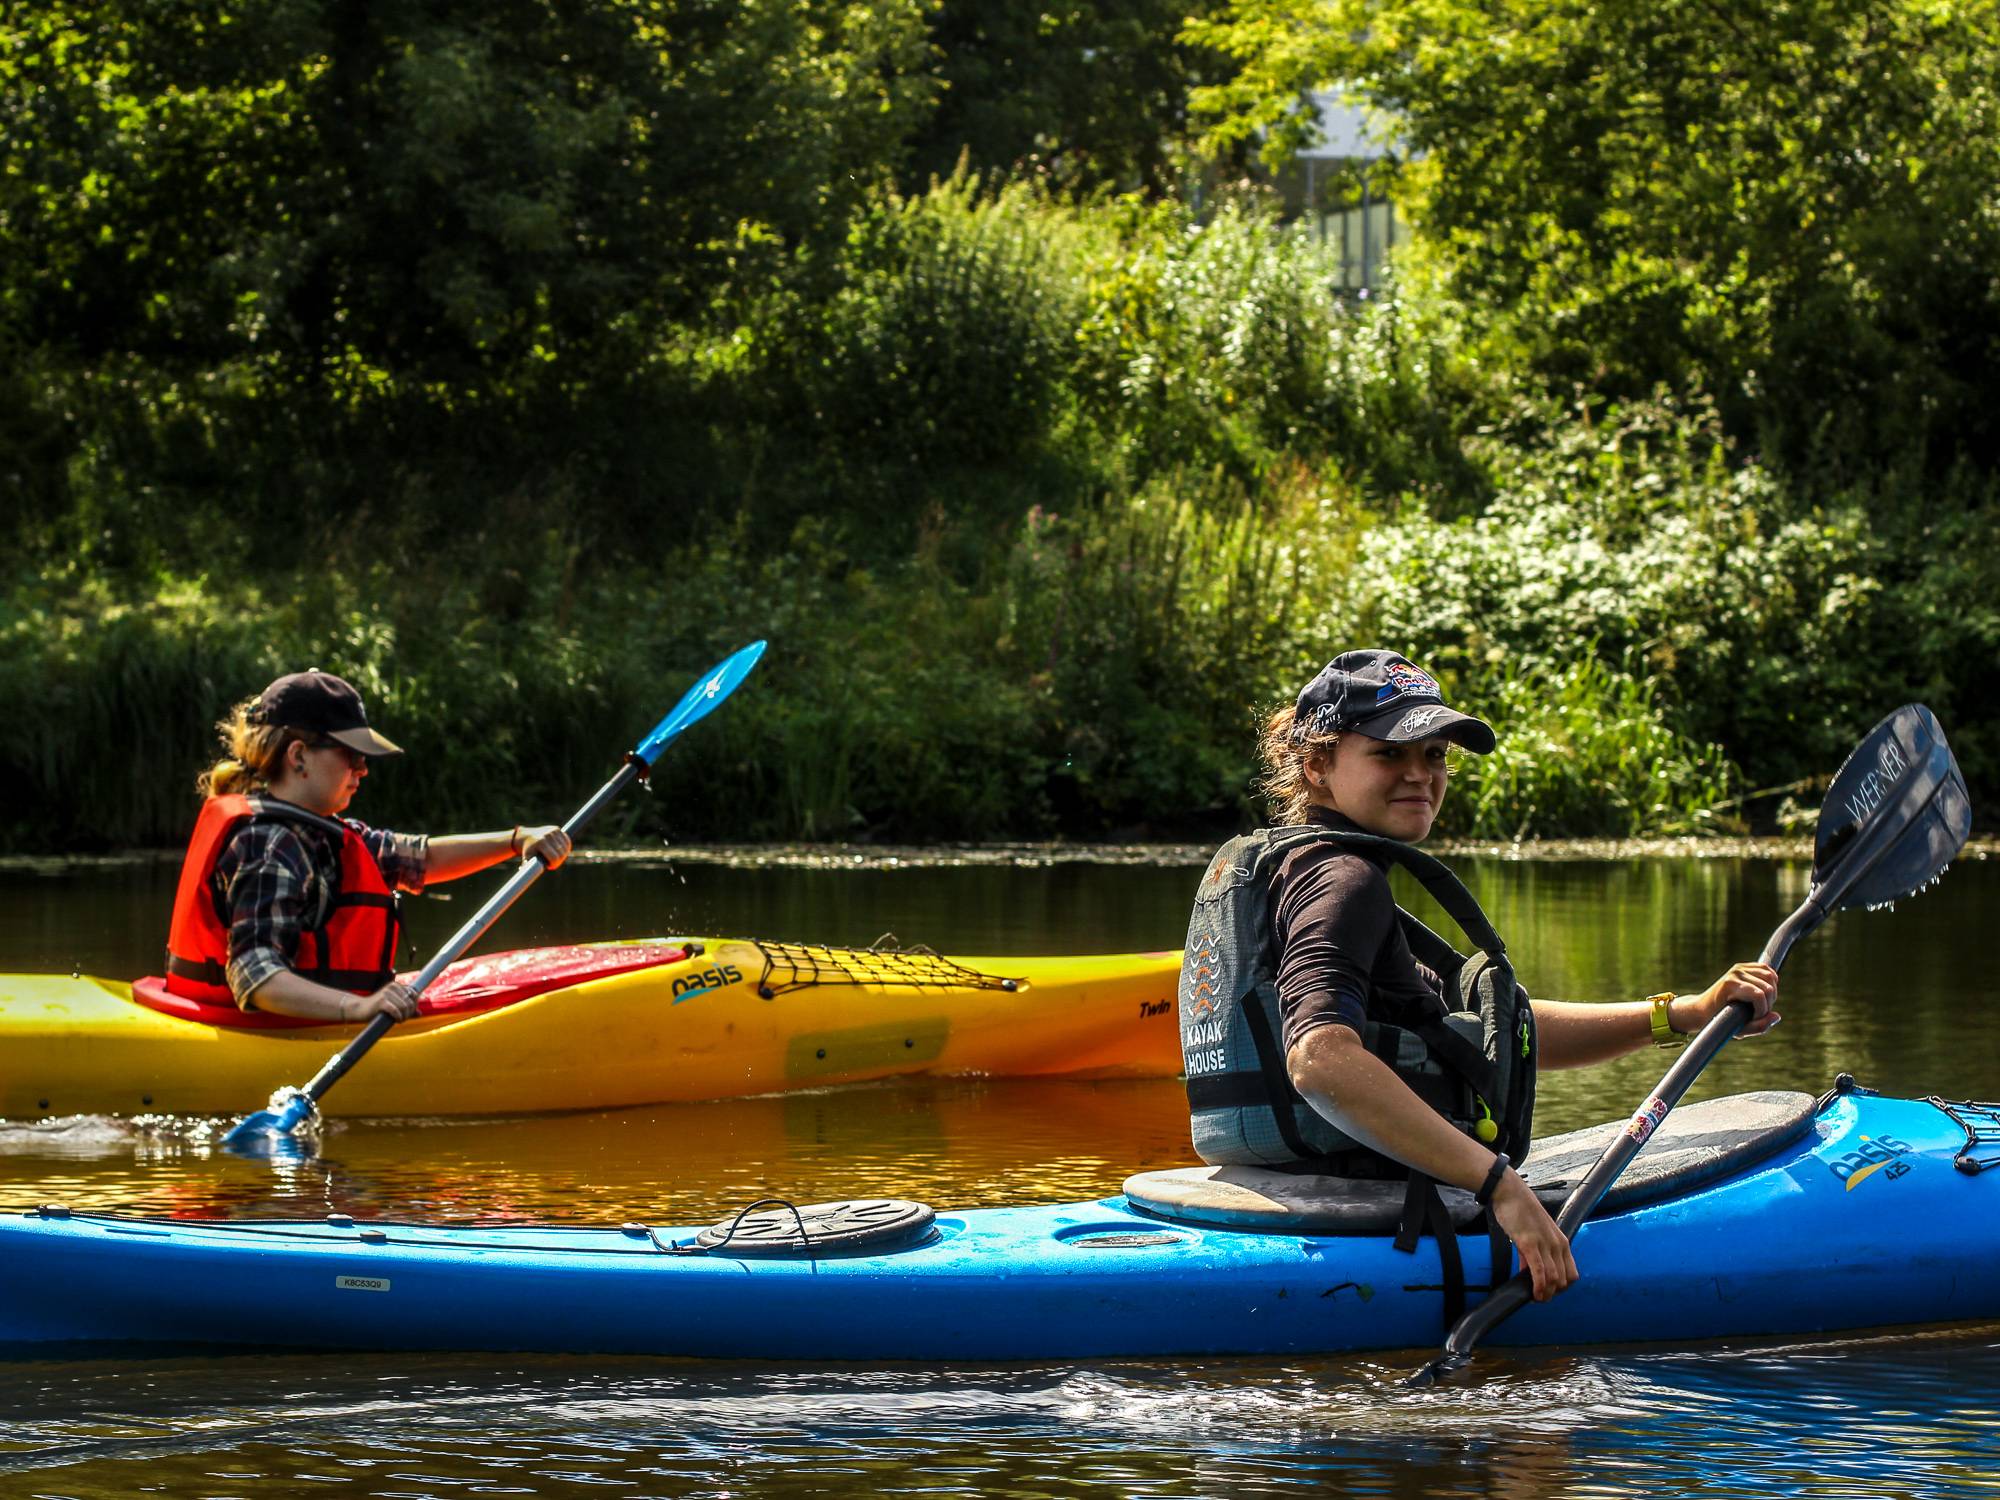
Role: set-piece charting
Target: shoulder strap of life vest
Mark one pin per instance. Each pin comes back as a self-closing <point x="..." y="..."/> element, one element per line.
<point x="1445" y="888"/>
<point x="1438" y="881"/>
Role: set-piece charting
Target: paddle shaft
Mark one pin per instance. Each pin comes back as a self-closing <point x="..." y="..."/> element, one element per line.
<point x="531" y="870"/>
<point x="1513" y="1294"/>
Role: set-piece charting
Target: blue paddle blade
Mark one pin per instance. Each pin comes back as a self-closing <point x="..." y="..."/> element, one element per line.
<point x="273" y="1146"/>
<point x="718" y="683"/>
<point x="258" y="1134"/>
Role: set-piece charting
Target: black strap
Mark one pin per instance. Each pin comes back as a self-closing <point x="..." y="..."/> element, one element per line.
<point x="392" y="933"/>
<point x="201" y="971"/>
<point x="1445" y="888"/>
<point x="1449" y="892"/>
<point x="1277" y="1078"/>
<point x="392" y="930"/>
<point x="1500" y="1252"/>
<point x="1238" y="1090"/>
<point x="1458" y="1053"/>
<point x="1427" y="947"/>
<point x="1424" y="1213"/>
<point x="359" y="981"/>
<point x="354" y="981"/>
<point x="1410" y="1228"/>
<point x="291" y="812"/>
<point x="365" y="898"/>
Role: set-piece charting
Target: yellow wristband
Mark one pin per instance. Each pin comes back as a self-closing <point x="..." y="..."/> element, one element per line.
<point x="1664" y="1034"/>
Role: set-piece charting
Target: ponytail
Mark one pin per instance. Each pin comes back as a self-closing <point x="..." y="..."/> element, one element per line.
<point x="252" y="754"/>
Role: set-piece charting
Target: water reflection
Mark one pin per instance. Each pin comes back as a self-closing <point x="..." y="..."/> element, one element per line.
<point x="951" y="1142"/>
<point x="1897" y="998"/>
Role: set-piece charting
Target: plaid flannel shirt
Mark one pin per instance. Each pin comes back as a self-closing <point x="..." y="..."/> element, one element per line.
<point x="278" y="880"/>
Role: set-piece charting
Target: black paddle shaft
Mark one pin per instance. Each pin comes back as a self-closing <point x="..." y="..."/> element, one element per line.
<point x="531" y="870"/>
<point x="1896" y="813"/>
<point x="1513" y="1294"/>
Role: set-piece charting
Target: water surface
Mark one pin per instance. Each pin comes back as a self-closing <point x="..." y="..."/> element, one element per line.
<point x="1898" y="998"/>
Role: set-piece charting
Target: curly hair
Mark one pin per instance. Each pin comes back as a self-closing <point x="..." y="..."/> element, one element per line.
<point x="1285" y="754"/>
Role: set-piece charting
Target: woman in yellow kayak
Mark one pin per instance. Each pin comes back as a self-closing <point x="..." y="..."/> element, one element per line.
<point x="1319" y="1031"/>
<point x="283" y="904"/>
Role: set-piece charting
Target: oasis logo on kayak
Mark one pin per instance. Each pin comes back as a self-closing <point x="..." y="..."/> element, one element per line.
<point x="690" y="985"/>
<point x="1881" y="1151"/>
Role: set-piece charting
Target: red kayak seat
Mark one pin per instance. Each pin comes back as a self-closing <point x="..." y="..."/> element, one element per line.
<point x="468" y="987"/>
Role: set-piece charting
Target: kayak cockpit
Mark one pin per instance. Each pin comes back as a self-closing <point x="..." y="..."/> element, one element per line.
<point x="1698" y="1144"/>
<point x="472" y="986"/>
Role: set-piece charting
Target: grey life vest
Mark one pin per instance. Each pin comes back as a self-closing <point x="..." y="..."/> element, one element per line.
<point x="1473" y="1062"/>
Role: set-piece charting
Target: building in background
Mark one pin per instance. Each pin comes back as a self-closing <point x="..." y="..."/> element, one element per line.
<point x="1360" y="226"/>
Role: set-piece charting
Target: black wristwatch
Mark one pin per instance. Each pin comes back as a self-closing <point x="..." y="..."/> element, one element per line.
<point x="1484" y="1197"/>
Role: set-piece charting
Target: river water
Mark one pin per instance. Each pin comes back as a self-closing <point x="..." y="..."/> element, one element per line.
<point x="1897" y="997"/>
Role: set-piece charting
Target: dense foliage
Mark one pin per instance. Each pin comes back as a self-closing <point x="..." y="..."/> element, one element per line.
<point x="1090" y="93"/>
<point x="1794" y="210"/>
<point x="519" y="365"/>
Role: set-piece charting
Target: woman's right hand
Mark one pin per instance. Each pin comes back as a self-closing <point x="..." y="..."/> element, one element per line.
<point x="1545" y="1252"/>
<point x="395" y="1000"/>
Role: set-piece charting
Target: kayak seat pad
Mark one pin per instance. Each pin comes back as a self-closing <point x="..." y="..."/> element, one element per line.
<point x="1698" y="1144"/>
<point x="468" y="987"/>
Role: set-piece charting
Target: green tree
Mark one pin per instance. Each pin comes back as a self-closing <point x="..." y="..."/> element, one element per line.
<point x="1094" y="92"/>
<point x="276" y="269"/>
<point x="1795" y="208"/>
<point x="437" y="191"/>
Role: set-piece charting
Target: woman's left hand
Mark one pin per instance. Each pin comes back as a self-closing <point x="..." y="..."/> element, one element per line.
<point x="1755" y="984"/>
<point x="549" y="844"/>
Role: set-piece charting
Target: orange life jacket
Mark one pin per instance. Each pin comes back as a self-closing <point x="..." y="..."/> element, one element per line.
<point x="354" y="949"/>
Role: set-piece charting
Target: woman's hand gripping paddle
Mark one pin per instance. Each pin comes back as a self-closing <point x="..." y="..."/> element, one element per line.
<point x="290" y="1108"/>
<point x="1895" y="815"/>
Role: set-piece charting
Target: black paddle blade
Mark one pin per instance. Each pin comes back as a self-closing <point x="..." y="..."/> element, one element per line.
<point x="1438" y="1370"/>
<point x="1895" y="815"/>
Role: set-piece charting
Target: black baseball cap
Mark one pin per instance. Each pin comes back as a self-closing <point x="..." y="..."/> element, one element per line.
<point x="1385" y="696"/>
<point x="325" y="704"/>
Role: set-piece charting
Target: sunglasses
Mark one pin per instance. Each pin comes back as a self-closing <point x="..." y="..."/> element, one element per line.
<point x="355" y="758"/>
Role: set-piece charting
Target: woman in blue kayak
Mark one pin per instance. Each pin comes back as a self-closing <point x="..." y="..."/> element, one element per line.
<point x="1318" y="1019"/>
<point x="283" y="904"/>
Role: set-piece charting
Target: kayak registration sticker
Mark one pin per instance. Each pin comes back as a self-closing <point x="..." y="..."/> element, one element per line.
<point x="361" y="1283"/>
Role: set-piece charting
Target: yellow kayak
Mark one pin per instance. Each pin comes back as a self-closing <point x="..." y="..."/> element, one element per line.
<point x="598" y="1026"/>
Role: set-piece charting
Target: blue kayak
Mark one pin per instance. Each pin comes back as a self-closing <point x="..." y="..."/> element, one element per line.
<point x="1762" y="1214"/>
